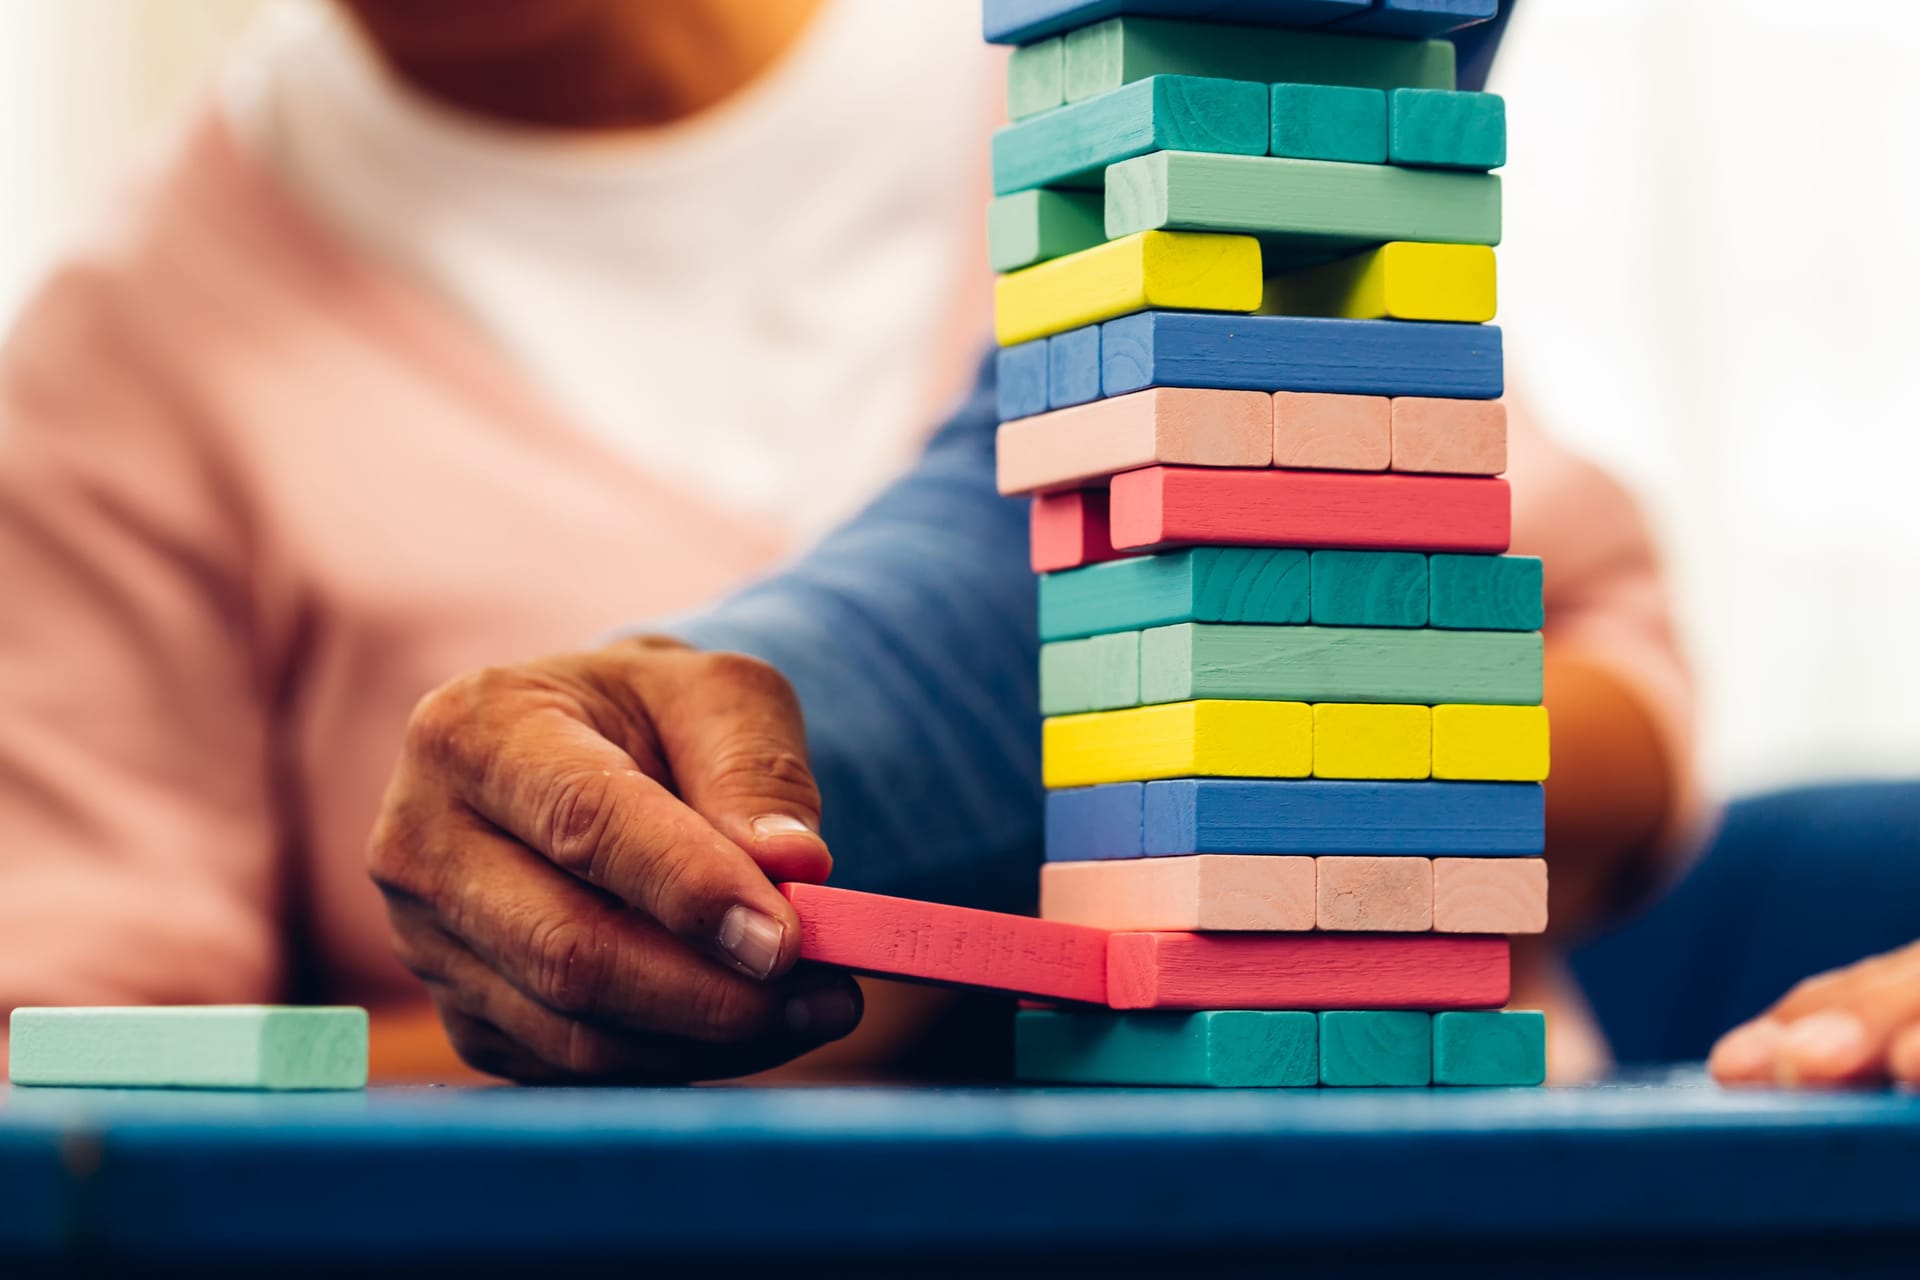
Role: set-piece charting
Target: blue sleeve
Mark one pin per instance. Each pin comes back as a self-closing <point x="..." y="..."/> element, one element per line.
<point x="909" y="635"/>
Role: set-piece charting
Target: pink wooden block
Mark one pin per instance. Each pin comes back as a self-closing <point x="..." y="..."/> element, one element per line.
<point x="1206" y="892"/>
<point x="1070" y="529"/>
<point x="1451" y="437"/>
<point x="1375" y="895"/>
<point x="1306" y="971"/>
<point x="1167" y="424"/>
<point x="1313" y="429"/>
<point x="1489" y="895"/>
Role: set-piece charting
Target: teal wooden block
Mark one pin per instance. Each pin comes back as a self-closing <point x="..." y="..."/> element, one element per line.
<point x="1098" y="673"/>
<point x="1485" y="593"/>
<point x="1201" y="584"/>
<point x="1339" y="664"/>
<point x="1102" y="57"/>
<point x="1369" y="589"/>
<point x="1376" y="1048"/>
<point x="1328" y="122"/>
<point x="198" y="1047"/>
<point x="1440" y="129"/>
<point x="1073" y="146"/>
<point x="1035" y="81"/>
<point x="1490" y="1047"/>
<point x="1034" y="226"/>
<point x="1227" y="1049"/>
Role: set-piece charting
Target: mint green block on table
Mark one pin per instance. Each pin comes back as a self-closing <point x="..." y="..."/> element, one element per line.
<point x="1035" y="81"/>
<point x="1072" y="147"/>
<point x="1098" y="673"/>
<point x="1328" y="122"/>
<point x="1226" y="1049"/>
<point x="190" y="1047"/>
<point x="1200" y="584"/>
<point x="1369" y="589"/>
<point x="1485" y="593"/>
<point x="1490" y="1047"/>
<point x="1106" y="55"/>
<point x="1376" y="1048"/>
<point x="1446" y="130"/>
<point x="1034" y="226"/>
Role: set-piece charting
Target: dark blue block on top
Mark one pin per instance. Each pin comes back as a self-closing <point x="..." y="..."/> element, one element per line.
<point x="1073" y="367"/>
<point x="1020" y="379"/>
<point x="1217" y="815"/>
<point x="1300" y="353"/>
<point x="1088" y="823"/>
<point x="1019" y="21"/>
<point x="1417" y="19"/>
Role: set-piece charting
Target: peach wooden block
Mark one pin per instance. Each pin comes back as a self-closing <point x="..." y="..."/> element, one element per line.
<point x="1208" y="892"/>
<point x="1450" y="437"/>
<point x="1489" y="895"/>
<point x="1192" y="427"/>
<point x="1374" y="895"/>
<point x="1320" y="431"/>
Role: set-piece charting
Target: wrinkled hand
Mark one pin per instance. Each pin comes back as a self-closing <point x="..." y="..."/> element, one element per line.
<point x="1857" y="1025"/>
<point x="578" y="858"/>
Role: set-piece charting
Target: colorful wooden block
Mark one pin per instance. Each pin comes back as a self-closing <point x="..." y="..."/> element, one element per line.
<point x="1339" y="664"/>
<point x="1380" y="741"/>
<point x="1212" y="893"/>
<point x="1398" y="281"/>
<point x="1327" y="122"/>
<point x="1305" y="971"/>
<point x="958" y="946"/>
<point x="1025" y="227"/>
<point x="1119" y="51"/>
<point x="1369" y="588"/>
<point x="1450" y="437"/>
<point x="1220" y="1048"/>
<point x="1486" y="593"/>
<point x="1164" y="425"/>
<point x="1194" y="271"/>
<point x="1489" y="819"/>
<point x="1489" y="895"/>
<point x="1073" y="146"/>
<point x="1446" y="129"/>
<point x="1202" y="738"/>
<point x="1073" y="367"/>
<point x="1373" y="895"/>
<point x="1315" y="430"/>
<point x="1490" y="1047"/>
<point x="1069" y="529"/>
<point x="265" y="1047"/>
<point x="1367" y="1049"/>
<point x="1300" y="353"/>
<point x="1302" y="210"/>
<point x="1093" y="674"/>
<point x="1200" y="584"/>
<point x="1094" y="822"/>
<point x="1409" y="19"/>
<point x="1020" y="380"/>
<point x="1036" y="79"/>
<point x="1487" y="743"/>
<point x="1023" y="21"/>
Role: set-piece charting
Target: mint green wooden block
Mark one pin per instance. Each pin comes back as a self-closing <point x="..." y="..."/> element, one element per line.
<point x="1376" y="1048"/>
<point x="1034" y="226"/>
<point x="1302" y="210"/>
<point x="1098" y="673"/>
<point x="1072" y="147"/>
<point x="1328" y="122"/>
<point x="1035" y="81"/>
<point x="1444" y="129"/>
<point x="1485" y="593"/>
<point x="1490" y="1047"/>
<point x="1227" y="1049"/>
<point x="1369" y="589"/>
<point x="1339" y="664"/>
<point x="1106" y="55"/>
<point x="198" y="1047"/>
<point x="1201" y="584"/>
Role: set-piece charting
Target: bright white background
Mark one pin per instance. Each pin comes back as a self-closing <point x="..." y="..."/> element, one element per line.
<point x="1709" y="283"/>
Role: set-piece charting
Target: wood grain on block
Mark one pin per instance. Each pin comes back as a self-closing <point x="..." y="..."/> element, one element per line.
<point x="1373" y="895"/>
<point x="1446" y="129"/>
<point x="1094" y="822"/>
<point x="1486" y="593"/>
<point x="1070" y="529"/>
<point x="1449" y="437"/>
<point x="1339" y="664"/>
<point x="1220" y="1048"/>
<point x="1305" y="971"/>
<point x="1200" y="584"/>
<point x="1409" y="19"/>
<point x="1316" y="430"/>
<point x="1490" y="743"/>
<point x="1036" y="79"/>
<point x="1369" y="588"/>
<point x="1398" y="281"/>
<point x="267" y="1047"/>
<point x="1490" y="895"/>
<point x="1106" y="55"/>
<point x="1490" y="1047"/>
<point x="958" y="946"/>
<point x="1481" y="819"/>
<point x="1073" y="367"/>
<point x="1194" y="271"/>
<point x="1097" y="673"/>
<point x="1024" y="21"/>
<point x="1020" y="380"/>
<point x="1370" y="1049"/>
<point x="1165" y="425"/>
<point x="1328" y="122"/>
<point x="1363" y="740"/>
<point x="1072" y="147"/>
<point x="1025" y="227"/>
<point x="1206" y="739"/>
<point x="1208" y="893"/>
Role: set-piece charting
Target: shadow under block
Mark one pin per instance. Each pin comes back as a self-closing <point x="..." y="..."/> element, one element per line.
<point x="1106" y="55"/>
<point x="1200" y="584"/>
<point x="958" y="946"/>
<point x="1084" y="823"/>
<point x="1300" y="209"/>
<point x="1035" y="79"/>
<point x="1024" y="21"/>
<point x="1398" y="281"/>
<point x="1366" y="1049"/>
<point x="1208" y="893"/>
<point x="1185" y="270"/>
<point x="1369" y="589"/>
<point x="1164" y="425"/>
<point x="1409" y="19"/>
<point x="1486" y="593"/>
<point x="1316" y="430"/>
<point x="1301" y="353"/>
<point x="1020" y="380"/>
<point x="1092" y="674"/>
<point x="1449" y="437"/>
<point x="1490" y="895"/>
<point x="1373" y="895"/>
<point x="1069" y="529"/>
<point x="1341" y="664"/>
<point x="1204" y="815"/>
<point x="1026" y="227"/>
<point x="1490" y="1047"/>
<point x="1221" y="1048"/>
<point x="263" y="1047"/>
<point x="1489" y="743"/>
<point x="1073" y="367"/>
<point x="1445" y="129"/>
<point x="1305" y="971"/>
<point x="1073" y="146"/>
<point x="1379" y="741"/>
<point x="1203" y="738"/>
<point x="1327" y="122"/>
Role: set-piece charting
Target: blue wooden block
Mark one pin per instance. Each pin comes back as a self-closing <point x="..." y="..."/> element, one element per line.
<point x="1073" y="367"/>
<point x="1376" y="1048"/>
<point x="1317" y="816"/>
<point x="1073" y="145"/>
<point x="1485" y="593"/>
<point x="1328" y="122"/>
<point x="1301" y="353"/>
<point x="1219" y="1048"/>
<point x="1020" y="379"/>
<point x="1021" y="21"/>
<point x="1490" y="1047"/>
<point x="1369" y="589"/>
<point x="1088" y="823"/>
<point x="1446" y="129"/>
<point x="1417" y="19"/>
<point x="1200" y="584"/>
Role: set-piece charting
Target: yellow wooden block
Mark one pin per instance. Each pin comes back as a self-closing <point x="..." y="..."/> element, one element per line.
<point x="1490" y="744"/>
<point x="1208" y="738"/>
<point x="1398" y="281"/>
<point x="1189" y="270"/>
<point x="1369" y="740"/>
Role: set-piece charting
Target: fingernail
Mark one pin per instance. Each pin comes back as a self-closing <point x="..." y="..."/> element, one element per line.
<point x="825" y="1014"/>
<point x="752" y="939"/>
<point x="1746" y="1051"/>
<point x="1831" y="1042"/>
<point x="770" y="825"/>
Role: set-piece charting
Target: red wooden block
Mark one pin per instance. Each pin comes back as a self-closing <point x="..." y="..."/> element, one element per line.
<point x="932" y="942"/>
<point x="1070" y="529"/>
<point x="1306" y="971"/>
<point x="1183" y="506"/>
